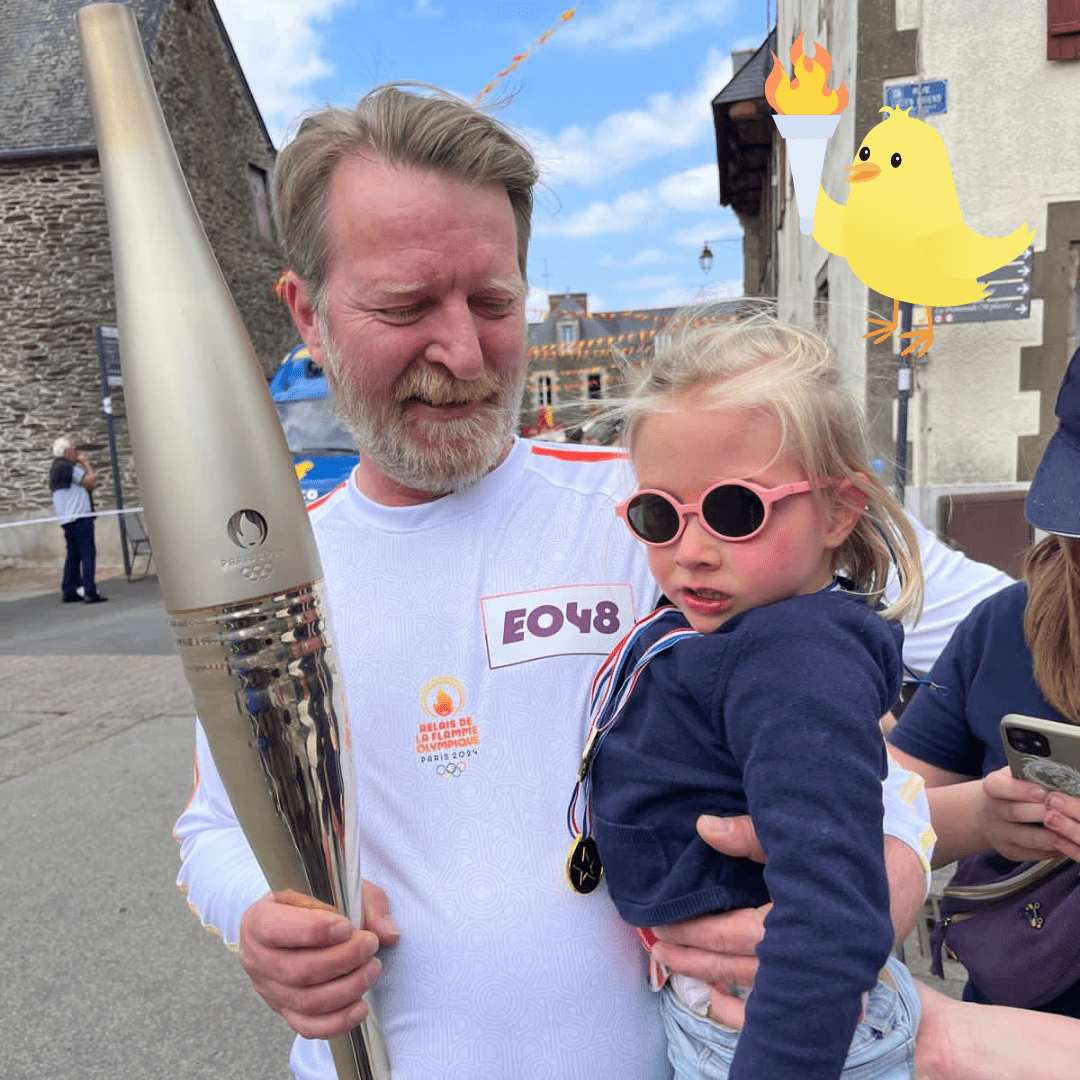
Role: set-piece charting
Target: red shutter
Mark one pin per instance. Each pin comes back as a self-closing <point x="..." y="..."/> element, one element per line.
<point x="1063" y="29"/>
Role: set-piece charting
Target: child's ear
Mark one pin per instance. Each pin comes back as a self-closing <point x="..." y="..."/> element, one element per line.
<point x="847" y="502"/>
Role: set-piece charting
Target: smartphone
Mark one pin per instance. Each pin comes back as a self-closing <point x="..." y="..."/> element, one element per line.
<point x="1045" y="752"/>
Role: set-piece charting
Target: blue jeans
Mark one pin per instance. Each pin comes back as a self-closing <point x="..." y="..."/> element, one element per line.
<point x="81" y="557"/>
<point x="883" y="1047"/>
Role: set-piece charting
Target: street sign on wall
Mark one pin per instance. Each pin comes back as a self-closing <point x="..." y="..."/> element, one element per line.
<point x="930" y="97"/>
<point x="1010" y="295"/>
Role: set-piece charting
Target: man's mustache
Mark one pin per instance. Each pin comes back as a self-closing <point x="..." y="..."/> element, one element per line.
<point x="435" y="388"/>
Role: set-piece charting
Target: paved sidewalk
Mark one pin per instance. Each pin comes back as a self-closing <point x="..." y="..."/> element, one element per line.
<point x="107" y="973"/>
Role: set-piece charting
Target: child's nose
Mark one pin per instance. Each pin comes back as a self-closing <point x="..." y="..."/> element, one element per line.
<point x="697" y="546"/>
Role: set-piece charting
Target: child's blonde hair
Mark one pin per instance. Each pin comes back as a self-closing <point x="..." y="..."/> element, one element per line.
<point x="761" y="363"/>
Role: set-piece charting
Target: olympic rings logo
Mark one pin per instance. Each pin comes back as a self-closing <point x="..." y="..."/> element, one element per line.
<point x="258" y="572"/>
<point x="455" y="768"/>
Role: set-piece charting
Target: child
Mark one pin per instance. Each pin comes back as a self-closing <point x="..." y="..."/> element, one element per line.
<point x="759" y="691"/>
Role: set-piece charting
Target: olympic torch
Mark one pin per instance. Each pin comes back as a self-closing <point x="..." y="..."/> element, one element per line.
<point x="237" y="564"/>
<point x="807" y="114"/>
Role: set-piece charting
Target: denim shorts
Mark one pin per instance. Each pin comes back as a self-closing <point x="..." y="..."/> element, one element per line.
<point x="883" y="1047"/>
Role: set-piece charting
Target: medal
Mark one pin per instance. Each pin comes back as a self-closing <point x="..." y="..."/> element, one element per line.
<point x="583" y="868"/>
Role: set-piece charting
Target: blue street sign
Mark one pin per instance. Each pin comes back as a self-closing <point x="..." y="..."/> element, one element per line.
<point x="903" y="96"/>
<point x="928" y="98"/>
<point x="934" y="97"/>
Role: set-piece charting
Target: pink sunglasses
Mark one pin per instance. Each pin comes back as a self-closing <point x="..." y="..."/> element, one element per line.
<point x="730" y="510"/>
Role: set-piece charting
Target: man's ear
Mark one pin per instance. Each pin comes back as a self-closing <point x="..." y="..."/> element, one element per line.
<point x="847" y="503"/>
<point x="303" y="314"/>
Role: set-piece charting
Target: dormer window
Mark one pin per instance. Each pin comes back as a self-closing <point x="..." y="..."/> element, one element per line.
<point x="567" y="332"/>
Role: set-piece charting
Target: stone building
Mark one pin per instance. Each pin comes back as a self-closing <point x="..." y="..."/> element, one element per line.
<point x="980" y="404"/>
<point x="54" y="243"/>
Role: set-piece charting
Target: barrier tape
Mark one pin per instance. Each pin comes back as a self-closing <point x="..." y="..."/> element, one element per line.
<point x="96" y="513"/>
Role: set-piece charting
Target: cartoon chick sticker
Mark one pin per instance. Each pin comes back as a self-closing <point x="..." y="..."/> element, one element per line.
<point x="902" y="232"/>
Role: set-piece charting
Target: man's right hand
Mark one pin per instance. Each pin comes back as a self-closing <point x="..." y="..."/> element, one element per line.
<point x="309" y="963"/>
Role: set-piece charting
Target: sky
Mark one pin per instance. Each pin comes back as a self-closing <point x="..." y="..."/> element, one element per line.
<point x="615" y="104"/>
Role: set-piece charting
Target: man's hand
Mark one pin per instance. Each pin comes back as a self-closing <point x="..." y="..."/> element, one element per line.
<point x="309" y="963"/>
<point x="719" y="949"/>
<point x="1011" y="815"/>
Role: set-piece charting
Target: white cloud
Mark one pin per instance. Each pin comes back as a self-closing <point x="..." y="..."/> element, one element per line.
<point x="279" y="50"/>
<point x="627" y="25"/>
<point x="649" y="257"/>
<point x="723" y="226"/>
<point x="624" y="139"/>
<point x="679" y="295"/>
<point x="425" y="9"/>
<point x="694" y="189"/>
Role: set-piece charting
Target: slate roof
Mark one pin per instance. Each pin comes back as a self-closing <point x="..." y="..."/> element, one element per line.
<point x="44" y="109"/>
<point x="748" y="82"/>
<point x="631" y="332"/>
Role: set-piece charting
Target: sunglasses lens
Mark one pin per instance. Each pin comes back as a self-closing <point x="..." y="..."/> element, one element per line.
<point x="653" y="518"/>
<point x="733" y="510"/>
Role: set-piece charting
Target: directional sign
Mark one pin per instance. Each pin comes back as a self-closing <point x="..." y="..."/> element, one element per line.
<point x="927" y="98"/>
<point x="1010" y="295"/>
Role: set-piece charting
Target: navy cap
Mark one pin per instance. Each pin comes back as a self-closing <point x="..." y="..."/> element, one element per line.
<point x="1053" y="501"/>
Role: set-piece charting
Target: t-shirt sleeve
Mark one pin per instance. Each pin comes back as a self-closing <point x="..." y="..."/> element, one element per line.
<point x="218" y="870"/>
<point x="801" y="712"/>
<point x="934" y="727"/>
<point x="954" y="585"/>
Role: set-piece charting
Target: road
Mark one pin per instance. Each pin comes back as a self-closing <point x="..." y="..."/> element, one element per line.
<point x="107" y="973"/>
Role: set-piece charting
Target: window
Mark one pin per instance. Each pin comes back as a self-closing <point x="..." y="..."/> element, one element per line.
<point x="545" y="384"/>
<point x="1063" y="29"/>
<point x="594" y="385"/>
<point x="567" y="332"/>
<point x="260" y="201"/>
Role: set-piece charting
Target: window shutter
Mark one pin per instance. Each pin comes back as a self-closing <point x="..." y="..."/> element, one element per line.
<point x="1063" y="29"/>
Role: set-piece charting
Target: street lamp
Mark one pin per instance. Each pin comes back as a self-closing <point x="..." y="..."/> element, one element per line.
<point x="706" y="256"/>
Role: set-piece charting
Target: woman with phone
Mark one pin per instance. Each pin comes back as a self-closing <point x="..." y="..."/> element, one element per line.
<point x="1017" y="652"/>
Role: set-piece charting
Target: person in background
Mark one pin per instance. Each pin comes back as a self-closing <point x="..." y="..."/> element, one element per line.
<point x="71" y="479"/>
<point x="1017" y="652"/>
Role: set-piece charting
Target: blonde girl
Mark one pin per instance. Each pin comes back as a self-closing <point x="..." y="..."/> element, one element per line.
<point x="759" y="690"/>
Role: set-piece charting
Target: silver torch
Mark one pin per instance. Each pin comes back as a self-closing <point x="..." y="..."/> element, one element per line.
<point x="237" y="564"/>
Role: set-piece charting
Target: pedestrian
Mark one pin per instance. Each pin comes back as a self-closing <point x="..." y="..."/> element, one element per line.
<point x="71" y="480"/>
<point x="476" y="581"/>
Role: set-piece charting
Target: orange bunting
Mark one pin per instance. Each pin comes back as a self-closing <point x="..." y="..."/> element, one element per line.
<point x="566" y="16"/>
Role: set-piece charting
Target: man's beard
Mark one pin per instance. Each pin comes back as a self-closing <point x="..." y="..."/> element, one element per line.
<point x="434" y="456"/>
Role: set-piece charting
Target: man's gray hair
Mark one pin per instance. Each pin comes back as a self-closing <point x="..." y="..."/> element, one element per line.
<point x="433" y="131"/>
<point x="62" y="445"/>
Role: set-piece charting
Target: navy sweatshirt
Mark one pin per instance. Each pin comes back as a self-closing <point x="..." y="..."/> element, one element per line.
<point x="774" y="714"/>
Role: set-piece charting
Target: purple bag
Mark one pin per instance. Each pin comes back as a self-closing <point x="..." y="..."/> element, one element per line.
<point x="1014" y="926"/>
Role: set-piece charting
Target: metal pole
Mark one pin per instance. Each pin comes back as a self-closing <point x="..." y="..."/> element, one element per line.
<point x="106" y="408"/>
<point x="903" y="392"/>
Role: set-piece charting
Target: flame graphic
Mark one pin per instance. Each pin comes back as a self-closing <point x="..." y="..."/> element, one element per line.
<point x="444" y="704"/>
<point x="806" y="93"/>
<point x="248" y="533"/>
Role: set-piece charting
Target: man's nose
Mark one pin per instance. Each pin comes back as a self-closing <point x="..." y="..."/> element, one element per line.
<point x="456" y="342"/>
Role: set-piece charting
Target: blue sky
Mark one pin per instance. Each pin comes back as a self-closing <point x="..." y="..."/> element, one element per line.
<point x="615" y="104"/>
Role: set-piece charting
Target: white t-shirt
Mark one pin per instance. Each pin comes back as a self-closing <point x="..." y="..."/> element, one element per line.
<point x="467" y="631"/>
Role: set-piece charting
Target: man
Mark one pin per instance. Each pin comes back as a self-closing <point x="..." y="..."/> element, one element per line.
<point x="71" y="479"/>
<point x="476" y="580"/>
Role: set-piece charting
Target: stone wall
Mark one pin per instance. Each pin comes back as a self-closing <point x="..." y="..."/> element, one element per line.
<point x="54" y="248"/>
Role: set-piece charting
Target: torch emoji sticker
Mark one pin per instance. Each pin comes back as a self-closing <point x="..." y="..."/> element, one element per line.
<point x="807" y="112"/>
